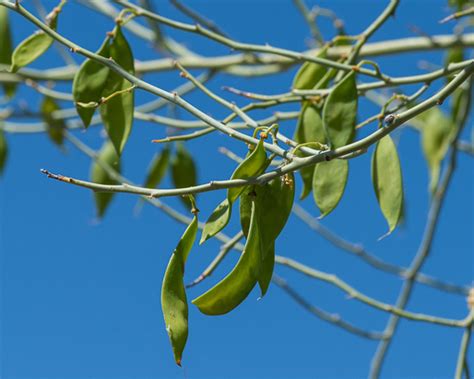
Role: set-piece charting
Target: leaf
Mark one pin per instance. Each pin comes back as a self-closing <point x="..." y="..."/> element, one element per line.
<point x="340" y="112"/>
<point x="437" y="131"/>
<point x="236" y="286"/>
<point x="156" y="172"/>
<point x="89" y="82"/>
<point x="329" y="183"/>
<point x="458" y="3"/>
<point x="253" y="165"/>
<point x="275" y="201"/>
<point x="183" y="171"/>
<point x="217" y="221"/>
<point x="33" y="47"/>
<point x="30" y="49"/>
<point x="310" y="73"/>
<point x="157" y="169"/>
<point x="3" y="151"/>
<point x="107" y="156"/>
<point x="309" y="129"/>
<point x="117" y="112"/>
<point x="55" y="126"/>
<point x="387" y="181"/>
<point x="174" y="303"/>
<point x="6" y="48"/>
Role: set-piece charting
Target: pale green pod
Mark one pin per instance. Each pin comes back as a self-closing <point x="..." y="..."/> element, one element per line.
<point x="56" y="127"/>
<point x="340" y="112"/>
<point x="117" y="111"/>
<point x="387" y="181"/>
<point x="254" y="164"/>
<point x="183" y="171"/>
<point x="89" y="82"/>
<point x="437" y="131"/>
<point x="32" y="47"/>
<point x="275" y="201"/>
<point x="310" y="73"/>
<point x="6" y="48"/>
<point x="329" y="183"/>
<point x="237" y="285"/>
<point x="174" y="302"/>
<point x="157" y="169"/>
<point x="309" y="129"/>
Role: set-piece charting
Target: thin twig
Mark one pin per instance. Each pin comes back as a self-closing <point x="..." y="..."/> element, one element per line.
<point x="296" y="164"/>
<point x="323" y="315"/>
<point x="457" y="15"/>
<point x="355" y="294"/>
<point x="224" y="250"/>
<point x="198" y="18"/>
<point x="310" y="20"/>
<point x="359" y="251"/>
<point x="464" y="346"/>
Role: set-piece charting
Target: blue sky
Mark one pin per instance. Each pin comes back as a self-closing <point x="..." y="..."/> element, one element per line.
<point x="80" y="299"/>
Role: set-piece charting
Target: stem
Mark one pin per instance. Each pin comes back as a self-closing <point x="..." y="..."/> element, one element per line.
<point x="225" y="249"/>
<point x="198" y="29"/>
<point x="355" y="294"/>
<point x="297" y="163"/>
<point x="457" y="15"/>
<point x="139" y="83"/>
<point x="323" y="315"/>
<point x="464" y="346"/>
<point x="372" y="260"/>
<point x="310" y="20"/>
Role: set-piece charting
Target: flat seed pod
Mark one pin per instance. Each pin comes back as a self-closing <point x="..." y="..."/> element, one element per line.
<point x="32" y="47"/>
<point x="55" y="126"/>
<point x="309" y="129"/>
<point x="157" y="169"/>
<point x="107" y="156"/>
<point x="6" y="48"/>
<point x="236" y="286"/>
<point x="117" y="112"/>
<point x="89" y="82"/>
<point x="329" y="183"/>
<point x="3" y="151"/>
<point x="275" y="201"/>
<point x="340" y="112"/>
<point x="183" y="171"/>
<point x="310" y="73"/>
<point x="387" y="181"/>
<point x="174" y="302"/>
<point x="252" y="165"/>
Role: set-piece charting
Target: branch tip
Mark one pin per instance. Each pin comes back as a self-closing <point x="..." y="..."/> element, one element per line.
<point x="59" y="177"/>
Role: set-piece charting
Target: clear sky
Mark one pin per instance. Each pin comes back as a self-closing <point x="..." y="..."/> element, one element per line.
<point x="80" y="299"/>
